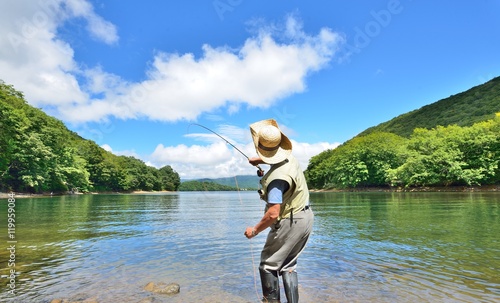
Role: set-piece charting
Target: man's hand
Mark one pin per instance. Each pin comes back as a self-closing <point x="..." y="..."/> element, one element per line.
<point x="269" y="218"/>
<point x="255" y="161"/>
<point x="250" y="232"/>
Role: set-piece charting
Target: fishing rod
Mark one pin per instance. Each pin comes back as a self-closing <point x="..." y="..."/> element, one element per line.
<point x="260" y="171"/>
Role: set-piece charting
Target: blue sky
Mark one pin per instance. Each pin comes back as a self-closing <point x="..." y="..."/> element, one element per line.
<point x="132" y="76"/>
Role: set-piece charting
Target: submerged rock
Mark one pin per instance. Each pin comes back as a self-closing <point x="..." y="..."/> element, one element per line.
<point x="163" y="288"/>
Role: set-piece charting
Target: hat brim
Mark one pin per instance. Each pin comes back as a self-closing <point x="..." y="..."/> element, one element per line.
<point x="275" y="156"/>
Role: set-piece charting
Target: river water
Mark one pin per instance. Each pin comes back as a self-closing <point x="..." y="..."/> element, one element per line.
<point x="365" y="247"/>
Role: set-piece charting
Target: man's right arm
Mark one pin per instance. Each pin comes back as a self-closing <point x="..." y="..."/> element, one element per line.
<point x="256" y="161"/>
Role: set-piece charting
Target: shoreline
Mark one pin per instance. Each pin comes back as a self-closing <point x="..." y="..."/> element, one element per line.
<point x="483" y="188"/>
<point x="5" y="195"/>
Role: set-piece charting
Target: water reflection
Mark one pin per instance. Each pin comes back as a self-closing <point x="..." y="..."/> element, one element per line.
<point x="59" y="236"/>
<point x="365" y="247"/>
<point x="409" y="247"/>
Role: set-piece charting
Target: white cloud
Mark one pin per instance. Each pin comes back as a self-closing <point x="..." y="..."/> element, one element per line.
<point x="304" y="151"/>
<point x="268" y="66"/>
<point x="216" y="158"/>
<point x="219" y="159"/>
<point x="98" y="28"/>
<point x="196" y="161"/>
<point x="101" y="29"/>
<point x="129" y="153"/>
<point x="106" y="147"/>
<point x="183" y="87"/>
<point x="35" y="60"/>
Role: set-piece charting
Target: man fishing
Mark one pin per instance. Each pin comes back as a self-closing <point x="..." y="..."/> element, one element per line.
<point x="287" y="211"/>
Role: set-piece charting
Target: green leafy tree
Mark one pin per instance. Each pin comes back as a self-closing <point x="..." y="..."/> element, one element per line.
<point x="33" y="160"/>
<point x="451" y="155"/>
<point x="9" y="137"/>
<point x="362" y="161"/>
<point x="316" y="173"/>
<point x="39" y="154"/>
<point x="169" y="179"/>
<point x="71" y="171"/>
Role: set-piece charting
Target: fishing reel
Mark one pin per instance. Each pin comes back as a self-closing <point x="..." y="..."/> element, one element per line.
<point x="260" y="173"/>
<point x="261" y="194"/>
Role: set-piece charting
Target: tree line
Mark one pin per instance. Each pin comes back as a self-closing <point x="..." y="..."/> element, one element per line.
<point x="196" y="185"/>
<point x="440" y="156"/>
<point x="39" y="154"/>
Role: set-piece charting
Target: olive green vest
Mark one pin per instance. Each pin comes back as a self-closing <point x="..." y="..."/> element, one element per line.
<point x="297" y="196"/>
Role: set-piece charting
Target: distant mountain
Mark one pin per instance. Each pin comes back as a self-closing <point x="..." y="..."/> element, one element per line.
<point x="195" y="185"/>
<point x="247" y="182"/>
<point x="477" y="104"/>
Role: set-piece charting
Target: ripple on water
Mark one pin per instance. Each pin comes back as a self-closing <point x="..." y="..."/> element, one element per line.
<point x="364" y="248"/>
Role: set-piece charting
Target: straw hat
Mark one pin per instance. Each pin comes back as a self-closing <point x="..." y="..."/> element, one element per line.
<point x="270" y="143"/>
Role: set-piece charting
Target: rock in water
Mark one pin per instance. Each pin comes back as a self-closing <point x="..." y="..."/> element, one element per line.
<point x="163" y="288"/>
<point x="149" y="286"/>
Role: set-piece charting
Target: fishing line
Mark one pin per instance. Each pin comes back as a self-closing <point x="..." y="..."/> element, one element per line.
<point x="260" y="173"/>
<point x="251" y="248"/>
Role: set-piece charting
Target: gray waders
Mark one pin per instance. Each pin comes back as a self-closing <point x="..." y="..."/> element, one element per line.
<point x="285" y="242"/>
<point x="291" y="284"/>
<point x="270" y="287"/>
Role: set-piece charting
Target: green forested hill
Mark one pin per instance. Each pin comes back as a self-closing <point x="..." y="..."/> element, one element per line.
<point x="241" y="182"/>
<point x="455" y="141"/>
<point x="218" y="184"/>
<point x="39" y="154"/>
<point x="198" y="185"/>
<point x="464" y="109"/>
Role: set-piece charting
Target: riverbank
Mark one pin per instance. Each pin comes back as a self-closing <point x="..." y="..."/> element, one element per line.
<point x="483" y="188"/>
<point x="30" y="195"/>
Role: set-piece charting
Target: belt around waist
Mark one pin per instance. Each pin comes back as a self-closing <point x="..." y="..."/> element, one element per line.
<point x="307" y="207"/>
<point x="292" y="213"/>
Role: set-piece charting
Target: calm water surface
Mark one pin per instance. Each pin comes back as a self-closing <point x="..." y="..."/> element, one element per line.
<point x="366" y="247"/>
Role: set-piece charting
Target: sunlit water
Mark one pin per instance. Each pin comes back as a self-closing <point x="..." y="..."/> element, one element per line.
<point x="365" y="247"/>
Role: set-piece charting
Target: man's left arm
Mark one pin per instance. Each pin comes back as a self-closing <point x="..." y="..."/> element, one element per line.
<point x="275" y="197"/>
<point x="267" y="220"/>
